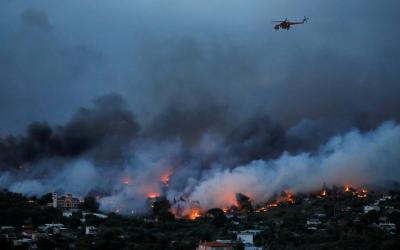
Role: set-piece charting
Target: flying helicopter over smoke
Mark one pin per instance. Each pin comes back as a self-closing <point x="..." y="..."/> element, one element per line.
<point x="286" y="24"/>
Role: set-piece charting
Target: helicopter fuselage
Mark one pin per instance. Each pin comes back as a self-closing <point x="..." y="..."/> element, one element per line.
<point x="283" y="25"/>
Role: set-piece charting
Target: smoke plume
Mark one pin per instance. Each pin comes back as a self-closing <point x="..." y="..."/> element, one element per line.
<point x="102" y="150"/>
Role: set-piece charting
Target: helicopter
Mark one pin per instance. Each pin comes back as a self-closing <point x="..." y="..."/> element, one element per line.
<point x="286" y="23"/>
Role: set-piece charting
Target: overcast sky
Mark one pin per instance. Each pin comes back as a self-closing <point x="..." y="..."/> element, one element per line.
<point x="56" y="56"/>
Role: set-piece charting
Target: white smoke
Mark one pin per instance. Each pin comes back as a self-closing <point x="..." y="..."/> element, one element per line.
<point x="353" y="158"/>
<point x="77" y="177"/>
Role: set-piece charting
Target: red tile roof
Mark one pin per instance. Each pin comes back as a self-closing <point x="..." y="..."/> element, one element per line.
<point x="215" y="244"/>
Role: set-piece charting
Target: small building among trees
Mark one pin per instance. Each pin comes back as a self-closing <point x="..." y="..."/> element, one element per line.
<point x="66" y="202"/>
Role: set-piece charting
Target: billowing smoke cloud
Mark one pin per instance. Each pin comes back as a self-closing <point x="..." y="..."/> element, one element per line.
<point x="208" y="171"/>
<point x="101" y="131"/>
<point x="353" y="158"/>
<point x="77" y="177"/>
<point x="340" y="68"/>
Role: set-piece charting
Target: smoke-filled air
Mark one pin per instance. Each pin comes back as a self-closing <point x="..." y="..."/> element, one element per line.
<point x="202" y="102"/>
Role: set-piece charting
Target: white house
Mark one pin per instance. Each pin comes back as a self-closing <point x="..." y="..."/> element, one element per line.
<point x="387" y="226"/>
<point x="247" y="236"/>
<point x="371" y="208"/>
<point x="313" y="224"/>
<point x="46" y="227"/>
<point x="90" y="230"/>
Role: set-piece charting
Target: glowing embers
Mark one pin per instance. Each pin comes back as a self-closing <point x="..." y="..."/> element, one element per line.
<point x="127" y="181"/>
<point x="348" y="190"/>
<point x="359" y="192"/>
<point x="287" y="198"/>
<point x="165" y="178"/>
<point x="362" y="193"/>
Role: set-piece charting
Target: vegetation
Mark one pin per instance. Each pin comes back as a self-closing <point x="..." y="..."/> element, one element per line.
<point x="282" y="227"/>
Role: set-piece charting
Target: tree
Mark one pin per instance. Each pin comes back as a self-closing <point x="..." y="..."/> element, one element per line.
<point x="90" y="204"/>
<point x="239" y="246"/>
<point x="45" y="244"/>
<point x="161" y="210"/>
<point x="218" y="216"/>
<point x="244" y="202"/>
<point x="109" y="238"/>
<point x="46" y="199"/>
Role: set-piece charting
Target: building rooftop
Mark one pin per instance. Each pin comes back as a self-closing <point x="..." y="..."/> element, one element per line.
<point x="215" y="244"/>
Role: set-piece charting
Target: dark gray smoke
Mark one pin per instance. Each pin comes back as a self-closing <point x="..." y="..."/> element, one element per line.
<point x="102" y="131"/>
<point x="36" y="18"/>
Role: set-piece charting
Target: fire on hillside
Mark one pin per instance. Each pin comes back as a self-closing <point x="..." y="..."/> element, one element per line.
<point x="183" y="207"/>
<point x="287" y="198"/>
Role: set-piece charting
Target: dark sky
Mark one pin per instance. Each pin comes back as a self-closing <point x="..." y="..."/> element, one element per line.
<point x="340" y="68"/>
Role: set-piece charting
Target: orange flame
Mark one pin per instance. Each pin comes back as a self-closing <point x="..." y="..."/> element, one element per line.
<point x="153" y="195"/>
<point x="347" y="188"/>
<point x="273" y="204"/>
<point x="165" y="179"/>
<point x="194" y="213"/>
<point x="323" y="193"/>
<point x="289" y="198"/>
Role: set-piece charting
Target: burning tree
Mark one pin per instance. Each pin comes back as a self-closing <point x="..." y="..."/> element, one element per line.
<point x="244" y="202"/>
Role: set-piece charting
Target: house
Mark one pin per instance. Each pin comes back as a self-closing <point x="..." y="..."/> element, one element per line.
<point x="25" y="243"/>
<point x="385" y="198"/>
<point x="7" y="229"/>
<point x="214" y="245"/>
<point x="50" y="227"/>
<point x="225" y="241"/>
<point x="91" y="230"/>
<point x="247" y="236"/>
<point x="369" y="208"/>
<point x="387" y="226"/>
<point x="66" y="202"/>
<point x="313" y="223"/>
<point x="8" y="232"/>
<point x="34" y="235"/>
<point x="67" y="214"/>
